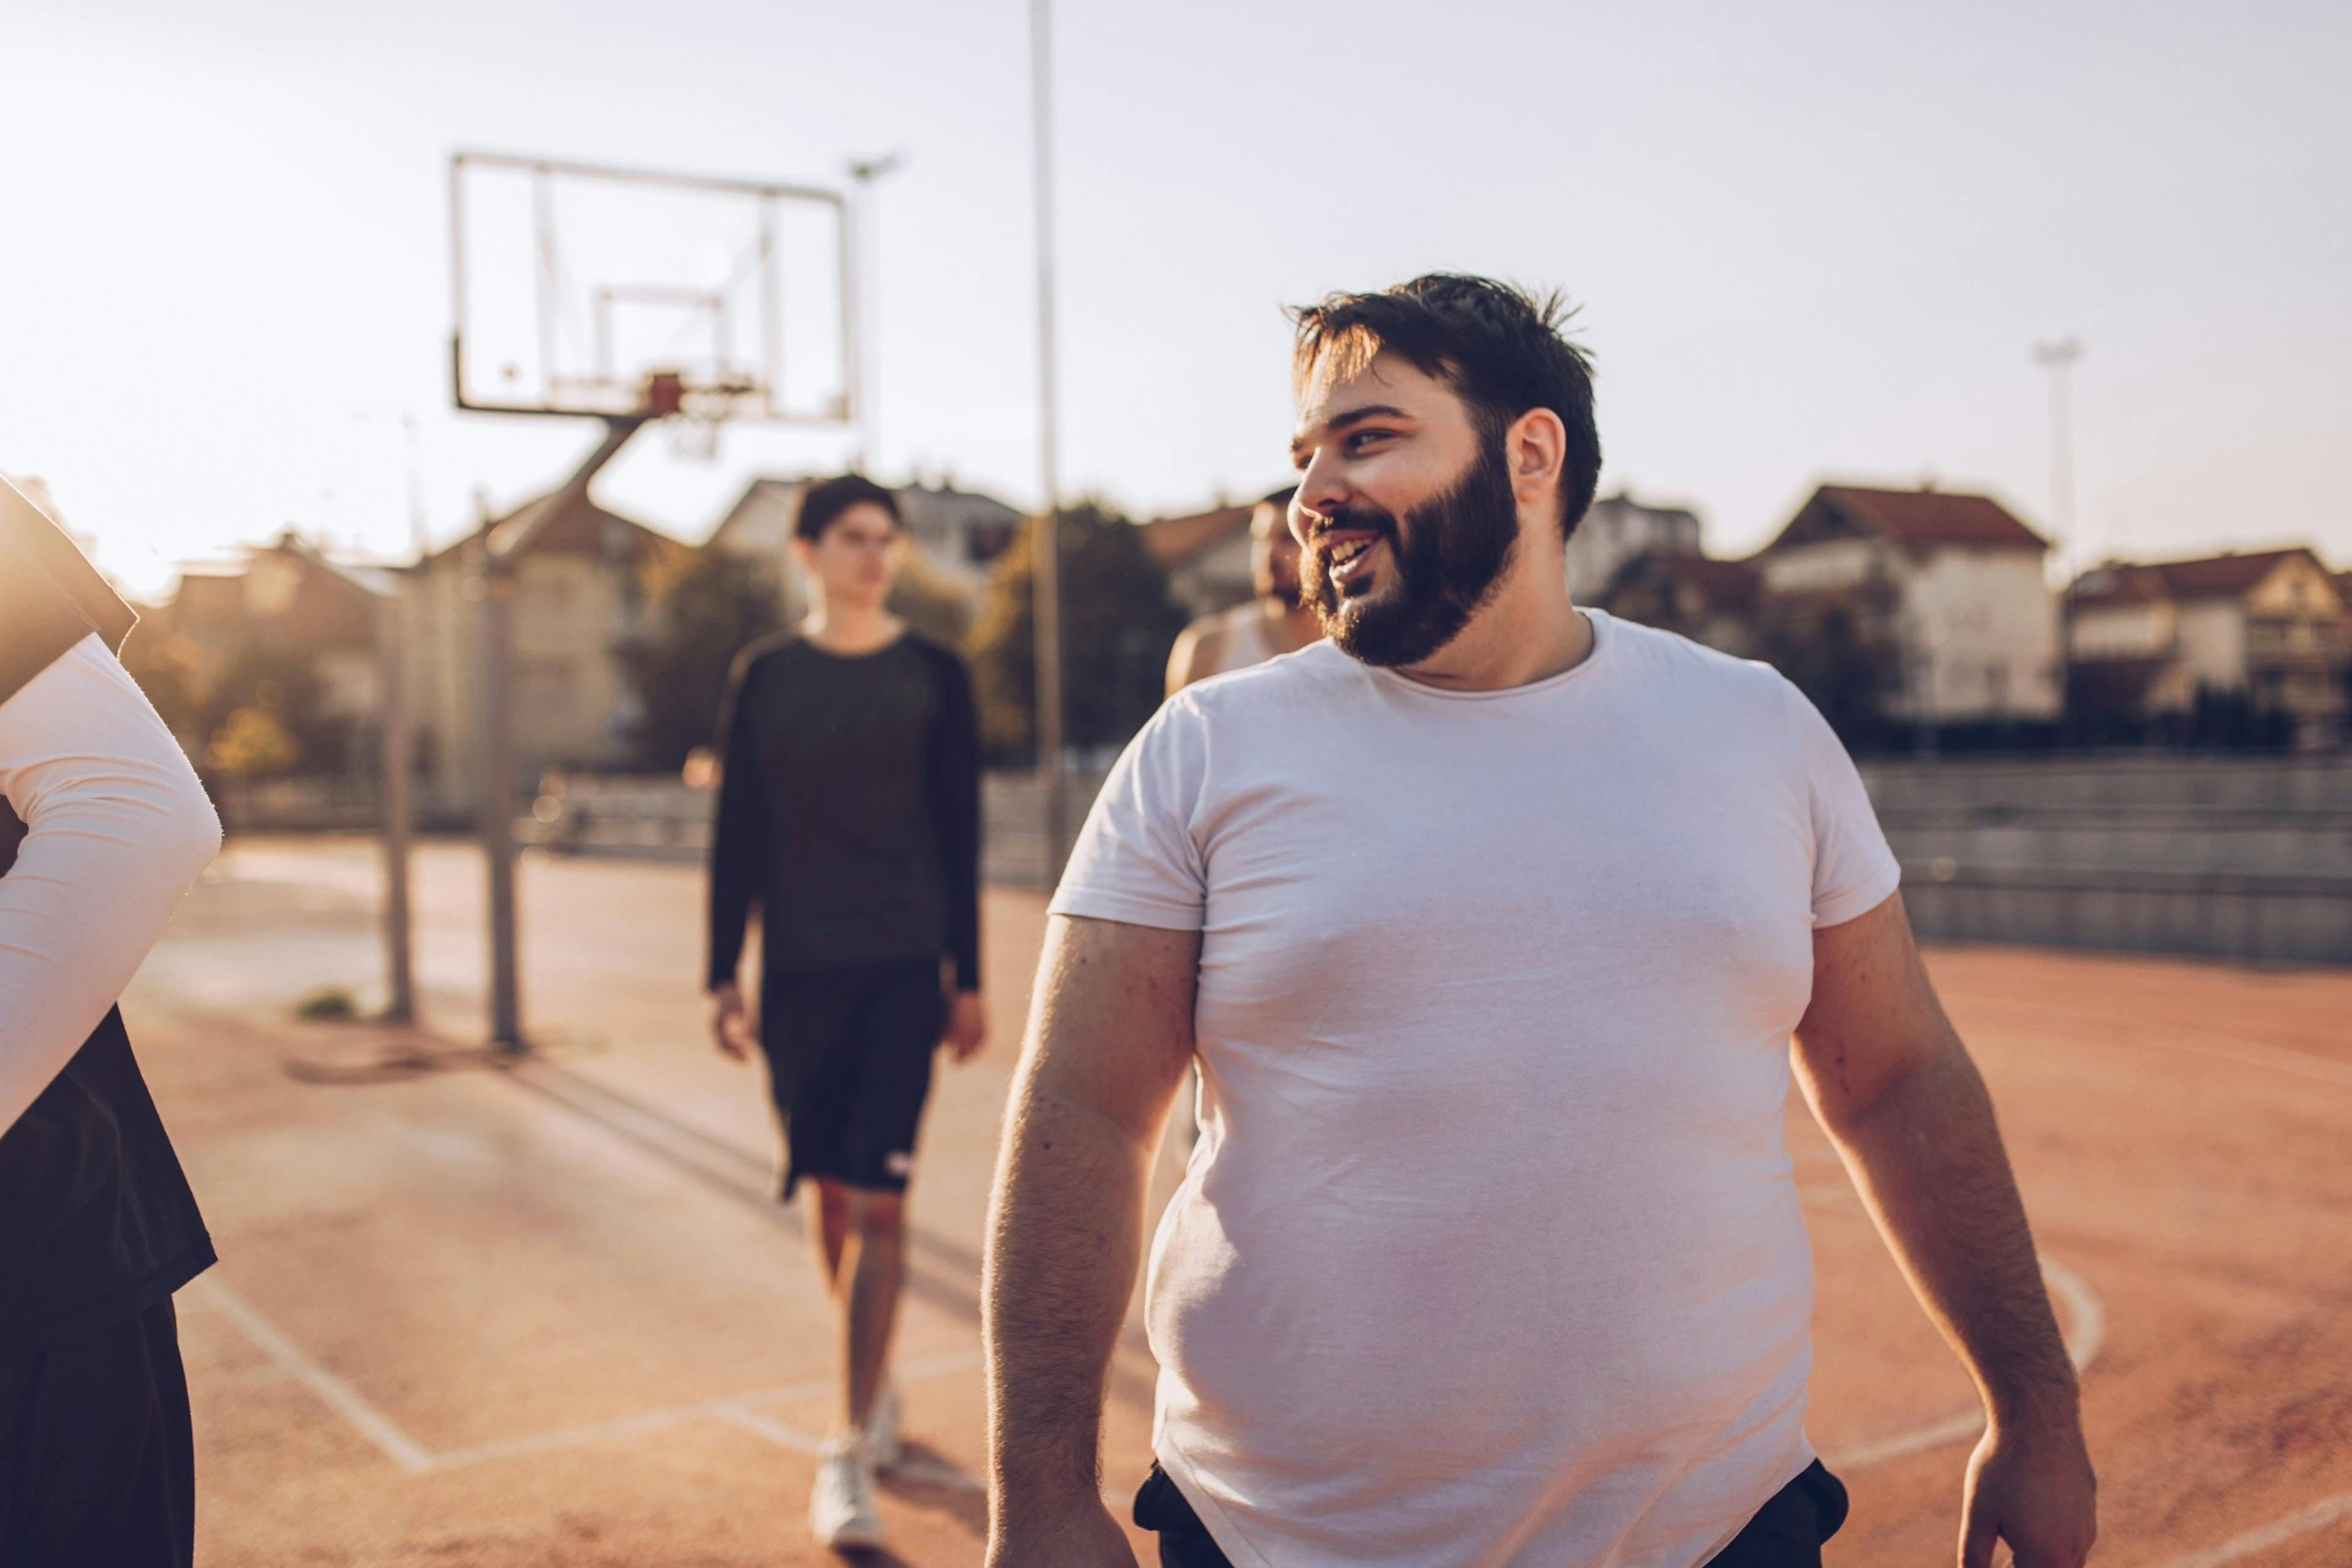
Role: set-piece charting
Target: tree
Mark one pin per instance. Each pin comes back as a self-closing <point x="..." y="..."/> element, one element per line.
<point x="1118" y="625"/>
<point x="1840" y="650"/>
<point x="706" y="607"/>
<point x="251" y="743"/>
<point x="929" y="603"/>
<point x="271" y="680"/>
<point x="164" y="665"/>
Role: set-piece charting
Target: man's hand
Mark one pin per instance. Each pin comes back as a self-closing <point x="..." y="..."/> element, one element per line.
<point x="730" y="1024"/>
<point x="1111" y="1034"/>
<point x="2032" y="1487"/>
<point x="1896" y="1090"/>
<point x="1080" y="1535"/>
<point x="967" y="1028"/>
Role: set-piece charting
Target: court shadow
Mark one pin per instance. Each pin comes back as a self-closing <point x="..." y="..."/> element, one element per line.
<point x="926" y="1479"/>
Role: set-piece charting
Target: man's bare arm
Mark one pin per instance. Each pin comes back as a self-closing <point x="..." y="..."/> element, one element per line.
<point x="1895" y="1089"/>
<point x="1111" y="1034"/>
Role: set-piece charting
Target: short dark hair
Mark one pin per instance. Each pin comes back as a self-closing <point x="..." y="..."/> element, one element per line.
<point x="828" y="499"/>
<point x="1498" y="346"/>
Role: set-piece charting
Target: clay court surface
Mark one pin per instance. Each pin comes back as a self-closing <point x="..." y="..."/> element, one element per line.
<point x="549" y="1316"/>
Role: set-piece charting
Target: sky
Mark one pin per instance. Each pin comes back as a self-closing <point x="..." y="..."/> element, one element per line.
<point x="1810" y="241"/>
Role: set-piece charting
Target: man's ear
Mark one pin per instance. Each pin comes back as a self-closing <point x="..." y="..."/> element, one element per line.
<point x="1535" y="449"/>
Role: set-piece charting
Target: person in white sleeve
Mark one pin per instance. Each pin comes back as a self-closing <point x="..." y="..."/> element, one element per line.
<point x="1493" y="926"/>
<point x="103" y="828"/>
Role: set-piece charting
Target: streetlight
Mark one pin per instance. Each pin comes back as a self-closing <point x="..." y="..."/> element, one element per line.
<point x="2058" y="358"/>
<point x="1046" y="578"/>
<point x="863" y="172"/>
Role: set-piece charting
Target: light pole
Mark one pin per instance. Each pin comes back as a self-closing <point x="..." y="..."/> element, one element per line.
<point x="1046" y="579"/>
<point x="397" y="746"/>
<point x="2058" y="358"/>
<point x="863" y="172"/>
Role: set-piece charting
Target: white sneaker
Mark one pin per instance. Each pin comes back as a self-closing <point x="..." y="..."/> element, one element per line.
<point x="882" y="1445"/>
<point x="841" y="1505"/>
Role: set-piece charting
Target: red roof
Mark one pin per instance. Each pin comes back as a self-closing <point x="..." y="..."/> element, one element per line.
<point x="2119" y="582"/>
<point x="1926" y="518"/>
<point x="1172" y="540"/>
<point x="587" y="530"/>
<point x="1721" y="584"/>
<point x="2228" y="576"/>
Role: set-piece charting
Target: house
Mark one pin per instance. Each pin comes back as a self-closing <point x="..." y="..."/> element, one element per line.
<point x="581" y="583"/>
<point x="289" y="594"/>
<point x="1951" y="582"/>
<point x="958" y="534"/>
<point x="1708" y="601"/>
<point x="288" y="603"/>
<point x="2148" y="637"/>
<point x="1617" y="529"/>
<point x="1206" y="555"/>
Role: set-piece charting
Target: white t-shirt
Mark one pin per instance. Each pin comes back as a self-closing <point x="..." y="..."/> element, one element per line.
<point x="1489" y="1252"/>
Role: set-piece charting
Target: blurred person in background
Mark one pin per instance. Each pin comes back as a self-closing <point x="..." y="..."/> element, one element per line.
<point x="103" y="828"/>
<point x="1273" y="623"/>
<point x="848" y="816"/>
<point x="1496" y="927"/>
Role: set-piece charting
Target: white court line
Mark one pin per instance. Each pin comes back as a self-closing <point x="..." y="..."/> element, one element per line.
<point x="2317" y="1516"/>
<point x="775" y="1432"/>
<point x="2086" y="1316"/>
<point x="373" y="1423"/>
<point x="412" y="1456"/>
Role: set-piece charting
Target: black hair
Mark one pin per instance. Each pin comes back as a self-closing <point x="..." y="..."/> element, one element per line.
<point x="828" y="499"/>
<point x="1498" y="346"/>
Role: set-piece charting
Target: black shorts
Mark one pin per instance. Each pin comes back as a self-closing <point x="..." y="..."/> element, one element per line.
<point x="1786" y="1532"/>
<point x="849" y="1062"/>
<point x="97" y="1458"/>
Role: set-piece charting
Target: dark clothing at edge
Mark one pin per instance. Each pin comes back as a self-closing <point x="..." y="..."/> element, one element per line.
<point x="97" y="1222"/>
<point x="98" y="1226"/>
<point x="848" y="809"/>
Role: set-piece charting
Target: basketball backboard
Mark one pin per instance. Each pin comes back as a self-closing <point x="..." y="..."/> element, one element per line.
<point x="580" y="289"/>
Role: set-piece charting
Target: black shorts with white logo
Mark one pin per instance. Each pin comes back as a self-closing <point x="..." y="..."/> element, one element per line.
<point x="849" y="1062"/>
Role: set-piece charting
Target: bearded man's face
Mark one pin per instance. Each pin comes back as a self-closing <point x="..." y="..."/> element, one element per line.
<point x="1442" y="559"/>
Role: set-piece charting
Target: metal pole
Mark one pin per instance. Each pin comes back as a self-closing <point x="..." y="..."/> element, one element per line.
<point x="1046" y="611"/>
<point x="863" y="275"/>
<point x="498" y="797"/>
<point x="495" y="553"/>
<point x="2058" y="358"/>
<point x="399" y="751"/>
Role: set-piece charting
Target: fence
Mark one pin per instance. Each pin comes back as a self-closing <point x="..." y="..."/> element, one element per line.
<point x="2246" y="858"/>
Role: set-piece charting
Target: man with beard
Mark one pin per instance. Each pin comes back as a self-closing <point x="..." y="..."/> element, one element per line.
<point x="1276" y="622"/>
<point x="1492" y="924"/>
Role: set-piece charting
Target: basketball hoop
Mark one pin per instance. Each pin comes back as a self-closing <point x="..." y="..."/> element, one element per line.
<point x="585" y="289"/>
<point x="694" y="433"/>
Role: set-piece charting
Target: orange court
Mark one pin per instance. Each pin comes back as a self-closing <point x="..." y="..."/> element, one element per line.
<point x="550" y="1314"/>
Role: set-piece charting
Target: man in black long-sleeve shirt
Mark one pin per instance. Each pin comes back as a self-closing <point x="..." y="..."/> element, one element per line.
<point x="849" y="814"/>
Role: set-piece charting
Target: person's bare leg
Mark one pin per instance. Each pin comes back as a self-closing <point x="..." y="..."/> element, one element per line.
<point x="830" y="1207"/>
<point x="872" y="1267"/>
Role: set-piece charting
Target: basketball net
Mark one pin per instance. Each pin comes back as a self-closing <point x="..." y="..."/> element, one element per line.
<point x="694" y="435"/>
